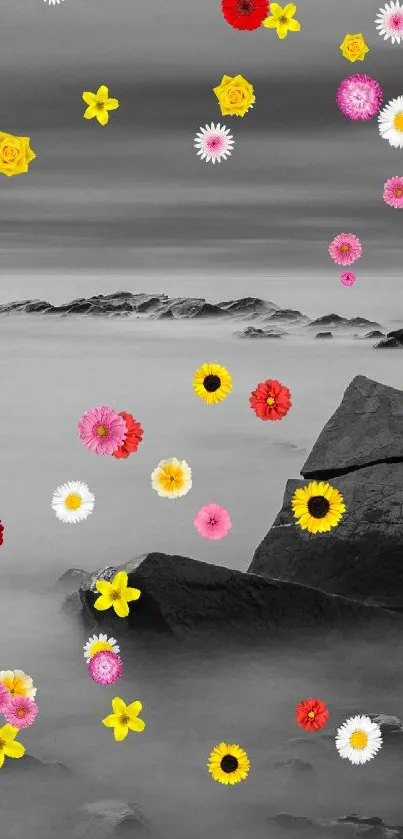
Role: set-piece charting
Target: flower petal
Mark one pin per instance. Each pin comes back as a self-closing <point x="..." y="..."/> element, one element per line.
<point x="89" y="98"/>
<point x="134" y="708"/>
<point x="112" y="104"/>
<point x="131" y="594"/>
<point x="289" y="10"/>
<point x="136" y="725"/>
<point x="276" y="9"/>
<point x="103" y="586"/>
<point x="121" y="608"/>
<point x="294" y="26"/>
<point x="120" y="580"/>
<point x="102" y="93"/>
<point x="282" y="30"/>
<point x="121" y="732"/>
<point x="270" y="23"/>
<point x="110" y="721"/>
<point x="103" y="603"/>
<point x="103" y="117"/>
<point x="12" y="749"/>
<point x="90" y="113"/>
<point x="119" y="707"/>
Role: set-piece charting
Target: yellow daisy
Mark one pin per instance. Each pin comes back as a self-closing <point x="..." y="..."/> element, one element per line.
<point x="228" y="764"/>
<point x="282" y="19"/>
<point x="172" y="478"/>
<point x="212" y="383"/>
<point x="99" y="104"/>
<point x="116" y="594"/>
<point x="318" y="507"/>
<point x="124" y="718"/>
<point x="8" y="745"/>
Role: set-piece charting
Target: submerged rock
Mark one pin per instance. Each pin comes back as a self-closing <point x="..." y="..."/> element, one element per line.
<point x="388" y="344"/>
<point x="349" y="826"/>
<point x="253" y="332"/>
<point x="106" y="819"/>
<point x="324" y="335"/>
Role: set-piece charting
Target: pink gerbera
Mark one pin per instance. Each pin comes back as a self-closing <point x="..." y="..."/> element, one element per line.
<point x="102" y="430"/>
<point x="5" y="697"/>
<point x="345" y="249"/>
<point x="105" y="667"/>
<point x="21" y="711"/>
<point x="212" y="521"/>
<point x="393" y="192"/>
<point x="359" y="97"/>
<point x="348" y="278"/>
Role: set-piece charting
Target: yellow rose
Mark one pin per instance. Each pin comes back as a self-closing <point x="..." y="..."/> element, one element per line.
<point x="354" y="47"/>
<point x="235" y="95"/>
<point x="15" y="154"/>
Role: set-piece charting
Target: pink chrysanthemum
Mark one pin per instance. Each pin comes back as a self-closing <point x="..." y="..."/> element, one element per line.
<point x="393" y="192"/>
<point x="348" y="278"/>
<point x="5" y="697"/>
<point x="102" y="430"/>
<point x="345" y="249"/>
<point x="212" y="521"/>
<point x="21" y="711"/>
<point x="359" y="97"/>
<point x="105" y="667"/>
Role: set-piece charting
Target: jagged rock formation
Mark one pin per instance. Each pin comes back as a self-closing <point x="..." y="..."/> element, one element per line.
<point x="393" y="340"/>
<point x="348" y="827"/>
<point x="337" y="320"/>
<point x="254" y="332"/>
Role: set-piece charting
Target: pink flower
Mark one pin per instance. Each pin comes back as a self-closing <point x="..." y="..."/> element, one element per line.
<point x="212" y="521"/>
<point x="359" y="97"/>
<point x="21" y="711"/>
<point x="348" y="278"/>
<point x="345" y="248"/>
<point x="393" y="192"/>
<point x="105" y="667"/>
<point x="102" y="430"/>
<point x="5" y="697"/>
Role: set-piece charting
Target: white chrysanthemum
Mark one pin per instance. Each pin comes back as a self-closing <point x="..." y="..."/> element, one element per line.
<point x="389" y="22"/>
<point x="214" y="143"/>
<point x="358" y="739"/>
<point x="98" y="643"/>
<point x="172" y="478"/>
<point x="73" y="502"/>
<point x="390" y="122"/>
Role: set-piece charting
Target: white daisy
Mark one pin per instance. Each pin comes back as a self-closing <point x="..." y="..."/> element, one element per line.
<point x="73" y="502"/>
<point x="97" y="643"/>
<point x="53" y="2"/>
<point x="389" y="21"/>
<point x="390" y="122"/>
<point x="358" y="739"/>
<point x="214" y="142"/>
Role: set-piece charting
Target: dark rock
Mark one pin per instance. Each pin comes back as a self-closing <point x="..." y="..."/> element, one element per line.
<point x="71" y="580"/>
<point x="247" y="305"/>
<point x="391" y="728"/>
<point x="253" y="332"/>
<point x="37" y="306"/>
<point x="349" y="826"/>
<point x="324" y="335"/>
<point x="30" y="763"/>
<point x="106" y="819"/>
<point x="375" y="333"/>
<point x="337" y="320"/>
<point x="398" y="334"/>
<point x="388" y="344"/>
<point x="288" y="315"/>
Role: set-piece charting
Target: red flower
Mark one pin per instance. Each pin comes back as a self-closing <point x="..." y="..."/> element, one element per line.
<point x="1" y="533"/>
<point x="245" y="14"/>
<point x="271" y="400"/>
<point x="311" y="714"/>
<point x="133" y="437"/>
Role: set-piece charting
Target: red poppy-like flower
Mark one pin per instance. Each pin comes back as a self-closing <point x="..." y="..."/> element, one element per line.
<point x="1" y="533"/>
<point x="133" y="437"/>
<point x="245" y="14"/>
<point x="311" y="714"/>
<point x="271" y="400"/>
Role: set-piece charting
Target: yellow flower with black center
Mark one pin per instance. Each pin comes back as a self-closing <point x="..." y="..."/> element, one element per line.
<point x="318" y="507"/>
<point x="228" y="763"/>
<point x="212" y="383"/>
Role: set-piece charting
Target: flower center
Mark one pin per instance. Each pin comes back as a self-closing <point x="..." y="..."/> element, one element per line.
<point x="398" y="121"/>
<point x="283" y="19"/>
<point x="212" y="383"/>
<point x="270" y="400"/>
<point x="358" y="739"/>
<point x="345" y="248"/>
<point x="114" y="595"/>
<point x="99" y="647"/>
<point x="311" y="715"/>
<point x="2" y="744"/>
<point x="399" y="192"/>
<point x="10" y="154"/>
<point x="318" y="506"/>
<point x="229" y="764"/>
<point x="73" y="501"/>
<point x="124" y="719"/>
<point x="212" y="521"/>
<point x="100" y="106"/>
<point x="101" y="430"/>
<point x="21" y="712"/>
<point x="245" y="7"/>
<point x="396" y="21"/>
<point x="214" y="142"/>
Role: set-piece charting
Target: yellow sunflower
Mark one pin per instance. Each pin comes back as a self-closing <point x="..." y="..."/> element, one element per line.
<point x="318" y="507"/>
<point x="228" y="763"/>
<point x="212" y="383"/>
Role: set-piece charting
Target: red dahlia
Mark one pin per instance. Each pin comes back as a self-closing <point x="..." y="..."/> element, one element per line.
<point x="1" y="533"/>
<point x="311" y="714"/>
<point x="271" y="400"/>
<point x="245" y="14"/>
<point x="133" y="437"/>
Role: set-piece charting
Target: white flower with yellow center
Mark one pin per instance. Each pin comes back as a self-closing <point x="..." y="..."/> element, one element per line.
<point x="73" y="502"/>
<point x="391" y="122"/>
<point x="99" y="643"/>
<point x="358" y="739"/>
<point x="18" y="683"/>
<point x="172" y="478"/>
<point x="53" y="2"/>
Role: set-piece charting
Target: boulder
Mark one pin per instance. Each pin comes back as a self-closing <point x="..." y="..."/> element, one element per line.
<point x="375" y="333"/>
<point x="254" y="332"/>
<point x="106" y="819"/>
<point x="388" y="344"/>
<point x="324" y="335"/>
<point x="346" y="827"/>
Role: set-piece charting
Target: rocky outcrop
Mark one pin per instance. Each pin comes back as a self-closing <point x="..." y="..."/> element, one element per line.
<point x="337" y="320"/>
<point x="348" y="827"/>
<point x="107" y="819"/>
<point x="388" y="344"/>
<point x="360" y="450"/>
<point x="254" y="332"/>
<point x="323" y="335"/>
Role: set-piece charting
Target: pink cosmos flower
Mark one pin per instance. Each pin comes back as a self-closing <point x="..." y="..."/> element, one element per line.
<point x="5" y="697"/>
<point x="359" y="97"/>
<point x="348" y="278"/>
<point x="393" y="192"/>
<point x="212" y="521"/>
<point x="21" y="711"/>
<point x="102" y="430"/>
<point x="105" y="667"/>
<point x="345" y="249"/>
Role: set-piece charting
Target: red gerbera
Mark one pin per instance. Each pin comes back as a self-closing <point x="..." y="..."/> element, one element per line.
<point x="271" y="400"/>
<point x="1" y="533"/>
<point x="245" y="14"/>
<point x="133" y="437"/>
<point x="311" y="714"/>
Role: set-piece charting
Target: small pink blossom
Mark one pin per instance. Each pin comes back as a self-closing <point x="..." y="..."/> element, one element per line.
<point x="359" y="97"/>
<point x="212" y="521"/>
<point x="5" y="698"/>
<point x="345" y="249"/>
<point x="105" y="667"/>
<point x="393" y="192"/>
<point x="21" y="711"/>
<point x="348" y="278"/>
<point x="102" y="430"/>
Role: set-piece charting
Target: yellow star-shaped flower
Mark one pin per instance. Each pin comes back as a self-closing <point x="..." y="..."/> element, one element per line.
<point x="124" y="718"/>
<point x="116" y="594"/>
<point x="8" y="745"/>
<point x="282" y="19"/>
<point x="99" y="104"/>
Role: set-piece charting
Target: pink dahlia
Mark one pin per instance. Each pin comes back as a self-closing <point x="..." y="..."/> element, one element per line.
<point x="105" y="667"/>
<point x="345" y="249"/>
<point x="21" y="711"/>
<point x="393" y="192"/>
<point x="5" y="697"/>
<point x="359" y="97"/>
<point x="348" y="278"/>
<point x="102" y="430"/>
<point x="212" y="521"/>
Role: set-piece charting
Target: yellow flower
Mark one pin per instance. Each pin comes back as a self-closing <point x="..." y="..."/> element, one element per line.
<point x="318" y="507"/>
<point x="228" y="763"/>
<point x="124" y="718"/>
<point x="116" y="594"/>
<point x="15" y="154"/>
<point x="354" y="47"/>
<point x="235" y="95"/>
<point x="212" y="382"/>
<point x="172" y="478"/>
<point x="282" y="19"/>
<point x="8" y="746"/>
<point x="99" y="104"/>
<point x="18" y="683"/>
